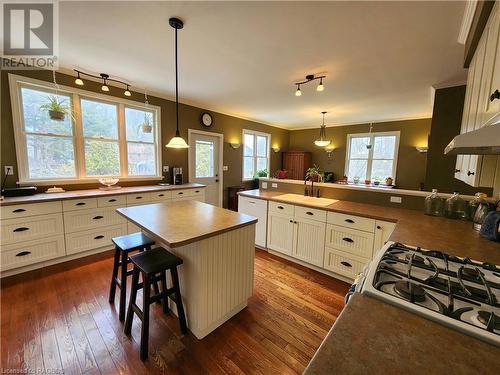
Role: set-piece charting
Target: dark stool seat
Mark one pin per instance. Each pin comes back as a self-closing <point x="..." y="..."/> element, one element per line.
<point x="149" y="264"/>
<point x="124" y="245"/>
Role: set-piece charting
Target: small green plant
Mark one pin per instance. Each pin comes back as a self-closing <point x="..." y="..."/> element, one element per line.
<point x="57" y="109"/>
<point x="314" y="174"/>
<point x="261" y="173"/>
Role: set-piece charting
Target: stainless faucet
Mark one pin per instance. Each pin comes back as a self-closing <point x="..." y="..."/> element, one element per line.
<point x="306" y="190"/>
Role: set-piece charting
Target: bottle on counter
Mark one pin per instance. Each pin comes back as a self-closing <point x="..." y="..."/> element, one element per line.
<point x="456" y="207"/>
<point x="474" y="204"/>
<point x="434" y="204"/>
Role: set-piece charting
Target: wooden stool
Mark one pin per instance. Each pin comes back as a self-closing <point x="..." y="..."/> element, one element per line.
<point x="149" y="264"/>
<point x="123" y="246"/>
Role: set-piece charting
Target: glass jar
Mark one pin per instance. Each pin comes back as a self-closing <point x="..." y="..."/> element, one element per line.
<point x="456" y="207"/>
<point x="434" y="204"/>
<point x="474" y="204"/>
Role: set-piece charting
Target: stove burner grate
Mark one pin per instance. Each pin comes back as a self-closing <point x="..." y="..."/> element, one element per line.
<point x="410" y="291"/>
<point x="489" y="319"/>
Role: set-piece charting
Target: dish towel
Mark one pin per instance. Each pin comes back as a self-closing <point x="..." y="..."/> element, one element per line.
<point x="489" y="229"/>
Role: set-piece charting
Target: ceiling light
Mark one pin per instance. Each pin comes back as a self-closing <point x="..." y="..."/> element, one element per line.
<point x="78" y="80"/>
<point x="309" y="78"/>
<point x="177" y="141"/>
<point x="127" y="92"/>
<point x="322" y="141"/>
<point x="298" y="92"/>
<point x="320" y="86"/>
<point x="104" y="86"/>
<point x="105" y="78"/>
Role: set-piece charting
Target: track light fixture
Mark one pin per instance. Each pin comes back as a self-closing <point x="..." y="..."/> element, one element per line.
<point x="105" y="78"/>
<point x="309" y="78"/>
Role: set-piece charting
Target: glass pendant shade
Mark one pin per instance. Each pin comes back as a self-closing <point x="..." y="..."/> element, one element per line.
<point x="177" y="142"/>
<point x="322" y="141"/>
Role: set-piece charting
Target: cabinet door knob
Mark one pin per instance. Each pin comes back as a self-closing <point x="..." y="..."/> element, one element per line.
<point x="495" y="95"/>
<point x="347" y="239"/>
<point x="457" y="170"/>
<point x="469" y="173"/>
<point x="291" y="221"/>
<point x="379" y="227"/>
<point x="346" y="264"/>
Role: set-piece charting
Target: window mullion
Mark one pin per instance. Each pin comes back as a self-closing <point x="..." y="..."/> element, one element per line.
<point x="78" y="141"/>
<point x="370" y="158"/>
<point x="122" y="141"/>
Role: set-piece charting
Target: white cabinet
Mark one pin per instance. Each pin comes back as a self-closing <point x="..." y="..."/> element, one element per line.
<point x="30" y="228"/>
<point x="343" y="263"/>
<point x="30" y="252"/>
<point x="350" y="241"/>
<point x="280" y="232"/>
<point x="258" y="209"/>
<point x="309" y="240"/>
<point x="383" y="230"/>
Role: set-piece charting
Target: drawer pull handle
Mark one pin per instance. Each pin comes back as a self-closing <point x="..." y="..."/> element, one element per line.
<point x="196" y="191"/>
<point x="347" y="239"/>
<point x="346" y="264"/>
<point x="98" y="217"/>
<point x="18" y="210"/>
<point x="98" y="237"/>
<point x="281" y="207"/>
<point x="180" y="193"/>
<point x="349" y="221"/>
<point x="309" y="213"/>
<point x="23" y="253"/>
<point x="112" y="200"/>
<point x="138" y="197"/>
<point x="251" y="202"/>
<point x="161" y="195"/>
<point x="21" y="229"/>
<point x="80" y="204"/>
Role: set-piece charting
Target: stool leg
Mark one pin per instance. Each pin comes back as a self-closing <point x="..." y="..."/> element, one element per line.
<point x="156" y="288"/>
<point x="123" y="287"/>
<point x="146" y="290"/>
<point x="112" y="288"/>
<point x="164" y="299"/>
<point x="178" y="300"/>
<point x="133" y="297"/>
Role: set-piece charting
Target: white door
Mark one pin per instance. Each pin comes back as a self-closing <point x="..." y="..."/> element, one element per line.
<point x="280" y="233"/>
<point x="205" y="163"/>
<point x="309" y="243"/>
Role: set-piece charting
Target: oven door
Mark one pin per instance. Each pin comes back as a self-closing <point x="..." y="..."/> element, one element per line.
<point x="357" y="285"/>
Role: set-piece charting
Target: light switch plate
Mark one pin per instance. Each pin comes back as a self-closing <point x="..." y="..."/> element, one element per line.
<point x="9" y="170"/>
<point x="396" y="199"/>
<point x="264" y="185"/>
<point x="225" y="168"/>
<point x="274" y="185"/>
<point x="165" y="169"/>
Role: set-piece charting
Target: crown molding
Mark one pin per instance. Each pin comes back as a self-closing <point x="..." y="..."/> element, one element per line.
<point x="470" y="10"/>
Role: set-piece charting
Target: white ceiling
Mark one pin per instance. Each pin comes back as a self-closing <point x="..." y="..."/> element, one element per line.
<point x="241" y="58"/>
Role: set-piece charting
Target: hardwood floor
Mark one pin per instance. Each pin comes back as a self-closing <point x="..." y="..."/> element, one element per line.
<point x="60" y="318"/>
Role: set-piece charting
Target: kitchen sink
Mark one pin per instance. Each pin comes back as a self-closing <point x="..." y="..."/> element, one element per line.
<point x="301" y="199"/>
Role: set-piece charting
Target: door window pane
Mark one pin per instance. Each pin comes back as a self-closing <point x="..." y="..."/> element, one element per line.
<point x="248" y="171"/>
<point x="102" y="158"/>
<point x="50" y="157"/>
<point x="358" y="148"/>
<point x="381" y="169"/>
<point x="141" y="159"/>
<point x="139" y="125"/>
<point x="261" y="146"/>
<point x="99" y="119"/>
<point x="37" y="120"/>
<point x="248" y="144"/>
<point x="204" y="152"/>
<point x="357" y="168"/>
<point x="384" y="147"/>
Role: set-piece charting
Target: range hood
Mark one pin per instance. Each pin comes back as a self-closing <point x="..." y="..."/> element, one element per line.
<point x="483" y="141"/>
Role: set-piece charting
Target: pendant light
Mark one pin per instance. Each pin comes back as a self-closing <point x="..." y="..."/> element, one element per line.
<point x="322" y="141"/>
<point x="177" y="141"/>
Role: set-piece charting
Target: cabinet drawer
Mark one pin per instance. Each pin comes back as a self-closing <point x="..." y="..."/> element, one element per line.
<point x="184" y="193"/>
<point x="112" y="201"/>
<point x="282" y="208"/>
<point x="310" y="213"/>
<point x="79" y="204"/>
<point x="246" y="205"/>
<point x="351" y="221"/>
<point x="31" y="209"/>
<point x="343" y="263"/>
<point x="93" y="239"/>
<point x="138" y="198"/>
<point x="161" y="195"/>
<point x="31" y="252"/>
<point x="31" y="228"/>
<point x="350" y="240"/>
<point x="95" y="218"/>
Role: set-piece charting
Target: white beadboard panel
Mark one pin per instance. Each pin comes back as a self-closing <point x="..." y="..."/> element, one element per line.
<point x="309" y="241"/>
<point x="280" y="229"/>
<point x="343" y="263"/>
<point x="30" y="228"/>
<point x="216" y="278"/>
<point x="93" y="239"/>
<point x="75" y="221"/>
<point x="29" y="209"/>
<point x="31" y="252"/>
<point x="351" y="241"/>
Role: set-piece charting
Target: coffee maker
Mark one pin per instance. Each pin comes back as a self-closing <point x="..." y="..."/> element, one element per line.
<point x="177" y="175"/>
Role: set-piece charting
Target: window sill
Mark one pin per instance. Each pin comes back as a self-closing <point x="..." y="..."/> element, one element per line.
<point x="84" y="181"/>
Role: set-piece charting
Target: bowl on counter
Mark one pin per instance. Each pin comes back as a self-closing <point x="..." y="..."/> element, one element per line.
<point x="109" y="183"/>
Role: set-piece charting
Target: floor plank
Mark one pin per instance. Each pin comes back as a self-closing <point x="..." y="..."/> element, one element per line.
<point x="59" y="318"/>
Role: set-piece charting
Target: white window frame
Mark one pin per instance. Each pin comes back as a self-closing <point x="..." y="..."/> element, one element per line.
<point x="16" y="82"/>
<point x="255" y="133"/>
<point x="370" y="152"/>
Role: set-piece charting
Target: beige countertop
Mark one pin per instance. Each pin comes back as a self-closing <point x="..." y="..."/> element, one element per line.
<point x="180" y="223"/>
<point x="89" y="193"/>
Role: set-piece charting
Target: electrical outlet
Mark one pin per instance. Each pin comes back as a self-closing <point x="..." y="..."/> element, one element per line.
<point x="396" y="199"/>
<point x="264" y="185"/>
<point x="274" y="185"/>
<point x="9" y="170"/>
<point x="225" y="168"/>
<point x="165" y="169"/>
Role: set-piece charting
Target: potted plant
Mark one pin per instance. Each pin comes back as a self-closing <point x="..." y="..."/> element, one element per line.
<point x="146" y="126"/>
<point x="389" y="181"/>
<point x="57" y="109"/>
<point x="261" y="173"/>
<point x="314" y="174"/>
<point x="355" y="179"/>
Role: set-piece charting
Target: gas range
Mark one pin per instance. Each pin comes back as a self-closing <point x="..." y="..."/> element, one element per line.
<point x="458" y="292"/>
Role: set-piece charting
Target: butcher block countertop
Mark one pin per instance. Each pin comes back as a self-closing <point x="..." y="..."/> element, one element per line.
<point x="184" y="222"/>
<point x="91" y="193"/>
<point x="414" y="228"/>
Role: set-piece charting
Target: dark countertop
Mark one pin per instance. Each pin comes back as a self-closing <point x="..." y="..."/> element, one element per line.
<point x="373" y="337"/>
<point x="91" y="193"/>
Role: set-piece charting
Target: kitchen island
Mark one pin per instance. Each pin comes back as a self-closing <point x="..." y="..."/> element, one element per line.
<point x="217" y="247"/>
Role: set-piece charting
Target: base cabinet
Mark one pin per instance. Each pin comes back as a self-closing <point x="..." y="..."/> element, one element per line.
<point x="258" y="209"/>
<point x="309" y="241"/>
<point x="343" y="263"/>
<point x="280" y="233"/>
<point x="383" y="230"/>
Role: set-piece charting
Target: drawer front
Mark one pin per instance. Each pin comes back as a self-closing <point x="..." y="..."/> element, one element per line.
<point x="161" y="196"/>
<point x="31" y="252"/>
<point x="32" y="209"/>
<point x="89" y="219"/>
<point x="350" y="240"/>
<point x="79" y="204"/>
<point x="138" y="198"/>
<point x="184" y="193"/>
<point x="112" y="201"/>
<point x="343" y="263"/>
<point x="31" y="228"/>
<point x="351" y="221"/>
<point x="310" y="213"/>
<point x="252" y="205"/>
<point x="93" y="239"/>
<point x="282" y="208"/>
